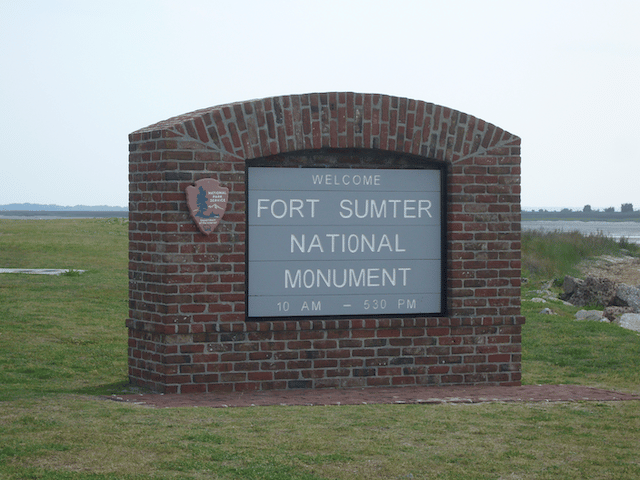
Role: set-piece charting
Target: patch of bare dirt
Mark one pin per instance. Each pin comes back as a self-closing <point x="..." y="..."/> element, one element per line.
<point x="623" y="269"/>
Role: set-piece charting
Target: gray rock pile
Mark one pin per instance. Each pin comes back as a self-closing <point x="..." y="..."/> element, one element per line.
<point x="590" y="291"/>
<point x="621" y="302"/>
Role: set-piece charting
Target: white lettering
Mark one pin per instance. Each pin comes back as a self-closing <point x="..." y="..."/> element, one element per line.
<point x="333" y="240"/>
<point x="381" y="212"/>
<point x="425" y="208"/>
<point x="326" y="280"/>
<point x="364" y="214"/>
<point x="408" y="303"/>
<point x="395" y="205"/>
<point x="309" y="279"/>
<point x="313" y="202"/>
<point x="408" y="208"/>
<point x="392" y="280"/>
<point x="372" y="277"/>
<point x="295" y="282"/>
<point x="344" y="278"/>
<point x="355" y="281"/>
<point x="404" y="275"/>
<point x="315" y="243"/>
<point x="343" y="205"/>
<point x="338" y="278"/>
<point x="346" y="179"/>
<point x="260" y="207"/>
<point x="370" y="245"/>
<point x="352" y="243"/>
<point x="314" y="305"/>
<point x="294" y="239"/>
<point x="284" y="208"/>
<point x="296" y="204"/>
<point x="385" y="243"/>
<point x="280" y="208"/>
<point x="385" y="208"/>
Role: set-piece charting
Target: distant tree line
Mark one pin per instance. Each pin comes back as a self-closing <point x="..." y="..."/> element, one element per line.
<point x="587" y="213"/>
<point x="624" y="208"/>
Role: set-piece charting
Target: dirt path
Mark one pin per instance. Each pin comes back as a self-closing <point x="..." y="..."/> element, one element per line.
<point x="398" y="395"/>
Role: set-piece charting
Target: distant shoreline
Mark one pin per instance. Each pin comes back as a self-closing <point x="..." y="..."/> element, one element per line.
<point x="61" y="214"/>
<point x="582" y="216"/>
<point x="526" y="216"/>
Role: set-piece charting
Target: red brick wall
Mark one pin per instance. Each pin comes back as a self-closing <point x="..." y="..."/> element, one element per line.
<point x="187" y="328"/>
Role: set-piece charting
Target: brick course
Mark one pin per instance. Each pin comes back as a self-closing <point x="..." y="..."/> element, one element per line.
<point x="187" y="327"/>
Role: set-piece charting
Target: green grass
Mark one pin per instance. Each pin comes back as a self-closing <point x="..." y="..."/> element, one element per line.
<point x="63" y="343"/>
<point x="63" y="334"/>
<point x="76" y="437"/>
<point x="557" y="349"/>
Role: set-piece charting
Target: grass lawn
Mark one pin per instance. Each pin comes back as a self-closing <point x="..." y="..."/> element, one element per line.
<point x="63" y="343"/>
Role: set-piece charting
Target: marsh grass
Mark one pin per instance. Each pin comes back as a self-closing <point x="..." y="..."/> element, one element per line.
<point x="63" y="343"/>
<point x="552" y="254"/>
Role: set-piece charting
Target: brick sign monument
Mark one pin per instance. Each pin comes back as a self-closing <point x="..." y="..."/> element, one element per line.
<point x="323" y="240"/>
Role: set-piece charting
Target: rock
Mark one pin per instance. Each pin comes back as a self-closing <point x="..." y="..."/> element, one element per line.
<point x="589" y="315"/>
<point x="627" y="296"/>
<point x="547" y="311"/>
<point x="538" y="300"/>
<point x="571" y="285"/>
<point x="590" y="291"/>
<point x="611" y="313"/>
<point x="630" y="321"/>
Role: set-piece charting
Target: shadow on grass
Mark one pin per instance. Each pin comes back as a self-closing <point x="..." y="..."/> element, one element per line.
<point x="117" y="388"/>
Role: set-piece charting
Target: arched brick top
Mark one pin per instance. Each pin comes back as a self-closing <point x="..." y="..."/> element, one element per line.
<point x="269" y="126"/>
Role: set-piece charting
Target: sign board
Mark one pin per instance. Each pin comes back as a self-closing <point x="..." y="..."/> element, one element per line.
<point x="344" y="242"/>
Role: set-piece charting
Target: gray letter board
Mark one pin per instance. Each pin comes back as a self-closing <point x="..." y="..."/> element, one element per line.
<point x="345" y="242"/>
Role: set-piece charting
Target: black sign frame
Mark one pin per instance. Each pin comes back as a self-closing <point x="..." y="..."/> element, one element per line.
<point x="354" y="159"/>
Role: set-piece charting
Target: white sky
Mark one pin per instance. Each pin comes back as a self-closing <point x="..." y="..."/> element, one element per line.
<point x="76" y="77"/>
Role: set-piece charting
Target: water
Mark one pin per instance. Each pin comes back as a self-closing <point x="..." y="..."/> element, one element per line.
<point x="617" y="230"/>
<point x="61" y="214"/>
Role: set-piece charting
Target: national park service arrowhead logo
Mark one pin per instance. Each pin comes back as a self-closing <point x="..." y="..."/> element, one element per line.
<point x="207" y="202"/>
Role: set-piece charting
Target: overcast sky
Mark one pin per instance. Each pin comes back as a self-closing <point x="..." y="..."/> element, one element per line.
<point x="78" y="76"/>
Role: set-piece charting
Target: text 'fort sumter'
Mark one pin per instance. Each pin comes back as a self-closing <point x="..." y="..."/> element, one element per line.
<point x="336" y="238"/>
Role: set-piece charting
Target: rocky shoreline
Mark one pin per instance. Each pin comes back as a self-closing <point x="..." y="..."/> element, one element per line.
<point x="612" y="283"/>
